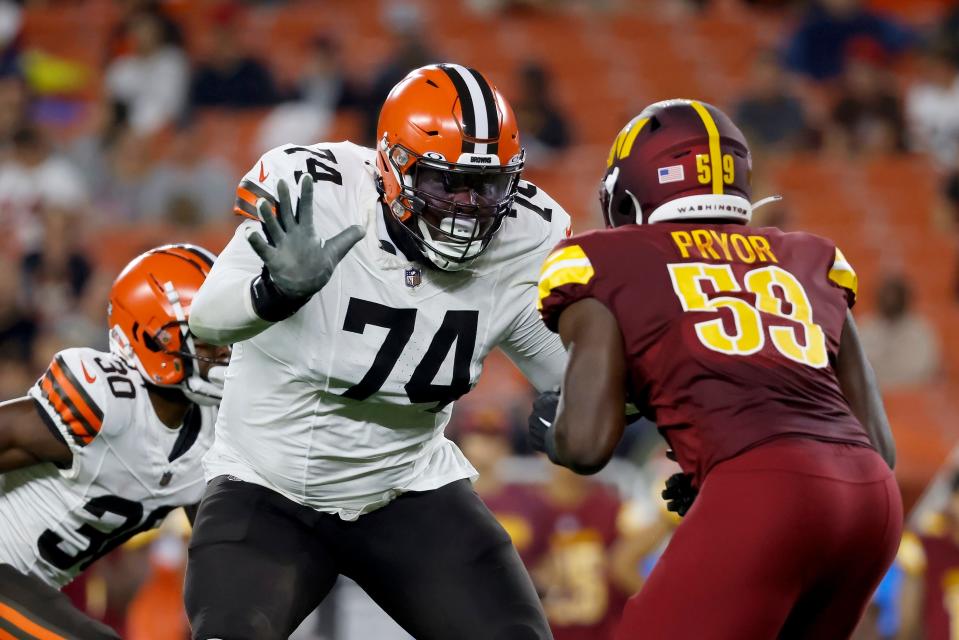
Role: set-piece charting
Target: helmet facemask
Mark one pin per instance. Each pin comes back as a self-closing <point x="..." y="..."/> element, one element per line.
<point x="201" y="389"/>
<point x="451" y="210"/>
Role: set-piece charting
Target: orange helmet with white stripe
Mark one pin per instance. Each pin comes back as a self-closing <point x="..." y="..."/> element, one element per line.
<point x="678" y="160"/>
<point x="449" y="157"/>
<point x="148" y="313"/>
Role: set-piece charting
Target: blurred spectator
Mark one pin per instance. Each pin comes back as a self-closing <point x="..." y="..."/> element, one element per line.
<point x="86" y="324"/>
<point x="543" y="125"/>
<point x="17" y="323"/>
<point x="14" y="108"/>
<point x="151" y="81"/>
<point x="948" y="32"/>
<point x="582" y="596"/>
<point x="932" y="107"/>
<point x="56" y="274"/>
<point x="900" y="343"/>
<point x="230" y="76"/>
<point x="128" y="165"/>
<point x="947" y="210"/>
<point x="771" y="115"/>
<point x="11" y="29"/>
<point x="484" y="440"/>
<point x="324" y="85"/>
<point x="929" y="599"/>
<point x="819" y="46"/>
<point x="188" y="188"/>
<point x="16" y="376"/>
<point x="32" y="180"/>
<point x="120" y="41"/>
<point x="867" y="117"/>
<point x="410" y="51"/>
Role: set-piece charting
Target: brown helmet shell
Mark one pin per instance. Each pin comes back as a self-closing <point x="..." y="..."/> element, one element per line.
<point x="672" y="150"/>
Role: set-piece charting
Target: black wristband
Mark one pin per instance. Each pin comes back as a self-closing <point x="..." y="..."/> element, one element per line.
<point x="269" y="302"/>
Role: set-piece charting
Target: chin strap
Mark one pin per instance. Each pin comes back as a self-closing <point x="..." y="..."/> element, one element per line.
<point x="202" y="391"/>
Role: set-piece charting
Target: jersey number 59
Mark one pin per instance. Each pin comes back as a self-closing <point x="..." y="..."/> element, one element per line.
<point x="803" y="342"/>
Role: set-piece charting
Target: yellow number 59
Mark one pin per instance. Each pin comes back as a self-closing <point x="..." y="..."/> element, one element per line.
<point x="750" y="334"/>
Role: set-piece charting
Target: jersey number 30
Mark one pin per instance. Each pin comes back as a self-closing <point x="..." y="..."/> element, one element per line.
<point x="803" y="342"/>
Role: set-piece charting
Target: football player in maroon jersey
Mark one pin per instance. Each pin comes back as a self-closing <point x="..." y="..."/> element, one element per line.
<point x="738" y="342"/>
<point x="929" y="599"/>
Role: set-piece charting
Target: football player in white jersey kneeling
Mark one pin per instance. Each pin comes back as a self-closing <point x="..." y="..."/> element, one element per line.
<point x="330" y="456"/>
<point x="104" y="445"/>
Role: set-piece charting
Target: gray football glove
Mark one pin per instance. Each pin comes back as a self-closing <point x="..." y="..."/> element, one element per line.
<point x="297" y="261"/>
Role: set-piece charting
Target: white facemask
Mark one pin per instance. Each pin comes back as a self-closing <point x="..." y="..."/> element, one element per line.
<point x="458" y="228"/>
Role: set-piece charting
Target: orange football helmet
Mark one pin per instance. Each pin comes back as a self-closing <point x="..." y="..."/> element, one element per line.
<point x="449" y="157"/>
<point x="148" y="313"/>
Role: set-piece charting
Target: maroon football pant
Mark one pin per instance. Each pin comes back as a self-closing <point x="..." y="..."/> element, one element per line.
<point x="787" y="540"/>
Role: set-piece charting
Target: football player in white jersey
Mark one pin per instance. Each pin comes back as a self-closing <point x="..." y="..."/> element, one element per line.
<point x="104" y="445"/>
<point x="329" y="455"/>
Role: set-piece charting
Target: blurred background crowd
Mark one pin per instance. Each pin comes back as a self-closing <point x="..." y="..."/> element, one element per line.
<point x="127" y="123"/>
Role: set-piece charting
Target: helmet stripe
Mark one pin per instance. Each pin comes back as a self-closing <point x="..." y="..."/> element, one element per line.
<point x="715" y="156"/>
<point x="480" y="119"/>
<point x="631" y="137"/>
<point x="489" y="105"/>
<point x="466" y="105"/>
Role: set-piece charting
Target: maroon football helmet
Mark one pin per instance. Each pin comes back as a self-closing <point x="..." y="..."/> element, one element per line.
<point x="677" y="160"/>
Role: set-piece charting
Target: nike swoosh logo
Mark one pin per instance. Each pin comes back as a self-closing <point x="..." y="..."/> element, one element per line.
<point x="86" y="374"/>
<point x="545" y="422"/>
<point x="263" y="174"/>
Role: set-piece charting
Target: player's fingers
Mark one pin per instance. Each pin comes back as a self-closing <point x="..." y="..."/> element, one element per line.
<point x="340" y="244"/>
<point x="261" y="246"/>
<point x="284" y="205"/>
<point x="272" y="227"/>
<point x="304" y="208"/>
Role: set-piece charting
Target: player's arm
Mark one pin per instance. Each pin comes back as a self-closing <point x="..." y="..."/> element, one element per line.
<point x="26" y="439"/>
<point x="858" y="384"/>
<point x="590" y="419"/>
<point x="536" y="351"/>
<point x="266" y="275"/>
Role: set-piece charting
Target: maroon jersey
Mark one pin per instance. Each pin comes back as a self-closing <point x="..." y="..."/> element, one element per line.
<point x="936" y="557"/>
<point x="521" y="511"/>
<point x="730" y="331"/>
<point x="581" y="602"/>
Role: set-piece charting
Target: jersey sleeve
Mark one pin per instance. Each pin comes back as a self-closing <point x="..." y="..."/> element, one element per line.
<point x="842" y="275"/>
<point x="566" y="276"/>
<point x="222" y="311"/>
<point x="536" y="351"/>
<point x="76" y="400"/>
<point x="260" y="182"/>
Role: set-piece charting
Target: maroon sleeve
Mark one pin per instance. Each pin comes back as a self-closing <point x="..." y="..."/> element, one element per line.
<point x="567" y="276"/>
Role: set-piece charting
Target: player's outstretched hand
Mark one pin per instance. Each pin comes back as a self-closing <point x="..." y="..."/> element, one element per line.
<point x="298" y="261"/>
<point x="679" y="493"/>
<point x="541" y="419"/>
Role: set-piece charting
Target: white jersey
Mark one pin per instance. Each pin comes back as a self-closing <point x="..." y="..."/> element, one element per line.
<point x="343" y="405"/>
<point x="129" y="469"/>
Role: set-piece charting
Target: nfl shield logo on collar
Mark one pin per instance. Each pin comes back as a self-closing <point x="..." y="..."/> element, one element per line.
<point x="413" y="277"/>
<point x="165" y="480"/>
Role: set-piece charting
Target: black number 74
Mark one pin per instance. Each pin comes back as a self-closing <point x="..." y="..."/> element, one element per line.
<point x="458" y="327"/>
